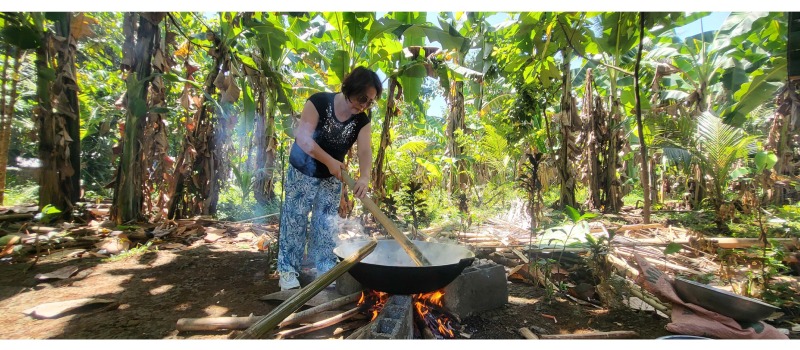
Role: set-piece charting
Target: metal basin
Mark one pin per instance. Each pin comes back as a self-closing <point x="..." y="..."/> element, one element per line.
<point x="737" y="307"/>
<point x="389" y="268"/>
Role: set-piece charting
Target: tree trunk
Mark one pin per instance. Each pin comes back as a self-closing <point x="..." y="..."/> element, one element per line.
<point x="65" y="93"/>
<point x="592" y="140"/>
<point x="7" y="110"/>
<point x="128" y="197"/>
<point x="378" y="176"/>
<point x="196" y="165"/>
<point x="569" y="121"/>
<point x="459" y="179"/>
<point x="155" y="145"/>
<point x="50" y="191"/>
<point x="266" y="144"/>
<point x="645" y="178"/>
<point x="5" y="122"/>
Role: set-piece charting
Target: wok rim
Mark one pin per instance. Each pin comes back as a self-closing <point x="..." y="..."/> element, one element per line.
<point x="470" y="254"/>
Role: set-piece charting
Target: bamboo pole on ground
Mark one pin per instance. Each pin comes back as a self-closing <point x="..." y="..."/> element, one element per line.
<point x="405" y="243"/>
<point x="300" y="316"/>
<point x="526" y="333"/>
<point x="217" y="323"/>
<point x="318" y="325"/>
<point x="593" y="335"/>
<point x="271" y="320"/>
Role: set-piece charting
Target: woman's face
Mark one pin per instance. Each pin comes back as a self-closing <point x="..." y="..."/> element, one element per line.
<point x="363" y="101"/>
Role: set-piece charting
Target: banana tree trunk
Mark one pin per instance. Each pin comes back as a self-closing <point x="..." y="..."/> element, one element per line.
<point x="7" y="110"/>
<point x="613" y="201"/>
<point x="156" y="144"/>
<point x="645" y="160"/>
<point x="459" y="179"/>
<point x="569" y="120"/>
<point x="65" y="91"/>
<point x="129" y="196"/>
<point x="50" y="152"/>
<point x="266" y="144"/>
<point x="378" y="176"/>
<point x="195" y="167"/>
<point x="593" y="141"/>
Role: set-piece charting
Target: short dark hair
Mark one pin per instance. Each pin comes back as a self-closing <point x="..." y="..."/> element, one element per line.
<point x="359" y="80"/>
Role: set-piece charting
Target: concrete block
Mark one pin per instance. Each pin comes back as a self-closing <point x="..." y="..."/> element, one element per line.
<point x="346" y="284"/>
<point x="478" y="288"/>
<point x="395" y="321"/>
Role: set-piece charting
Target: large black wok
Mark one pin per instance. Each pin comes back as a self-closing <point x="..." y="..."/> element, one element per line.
<point x="389" y="268"/>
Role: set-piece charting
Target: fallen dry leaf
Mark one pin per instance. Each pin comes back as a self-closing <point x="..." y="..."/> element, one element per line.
<point x="114" y="245"/>
<point x="58" y="309"/>
<point x="62" y="273"/>
<point x="245" y="236"/>
<point x="212" y="237"/>
<point x="168" y="246"/>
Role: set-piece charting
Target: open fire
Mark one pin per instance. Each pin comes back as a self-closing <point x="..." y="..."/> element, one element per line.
<point x="430" y="317"/>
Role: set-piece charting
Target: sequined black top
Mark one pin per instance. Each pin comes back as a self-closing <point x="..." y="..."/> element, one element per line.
<point x="331" y="135"/>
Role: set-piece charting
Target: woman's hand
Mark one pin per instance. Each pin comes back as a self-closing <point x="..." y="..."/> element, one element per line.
<point x="361" y="187"/>
<point x="335" y="167"/>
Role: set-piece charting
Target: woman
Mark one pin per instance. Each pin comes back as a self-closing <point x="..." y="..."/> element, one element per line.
<point x="329" y="126"/>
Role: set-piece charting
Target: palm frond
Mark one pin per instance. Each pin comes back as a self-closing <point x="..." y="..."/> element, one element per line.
<point x="678" y="157"/>
<point x="415" y="146"/>
<point x="496" y="103"/>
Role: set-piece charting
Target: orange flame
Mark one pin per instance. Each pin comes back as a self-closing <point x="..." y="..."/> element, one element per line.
<point x="423" y="303"/>
<point x="442" y="323"/>
<point x="377" y="299"/>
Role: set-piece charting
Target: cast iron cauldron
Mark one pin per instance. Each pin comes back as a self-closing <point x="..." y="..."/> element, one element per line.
<point x="389" y="268"/>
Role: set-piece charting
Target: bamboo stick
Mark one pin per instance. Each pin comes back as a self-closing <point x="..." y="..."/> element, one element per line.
<point x="593" y="335"/>
<point x="318" y="325"/>
<point x="216" y="323"/>
<point x="663" y="263"/>
<point x="268" y="322"/>
<point x="650" y="301"/>
<point x="405" y="243"/>
<point x="638" y="227"/>
<point x="734" y="243"/>
<point x="622" y="267"/>
<point x="16" y="217"/>
<point x="298" y="317"/>
<point x="521" y="255"/>
<point x="526" y="333"/>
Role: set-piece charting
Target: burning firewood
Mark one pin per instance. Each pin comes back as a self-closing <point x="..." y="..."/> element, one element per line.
<point x="318" y="325"/>
<point x="283" y="310"/>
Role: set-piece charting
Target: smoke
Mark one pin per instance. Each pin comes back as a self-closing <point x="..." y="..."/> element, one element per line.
<point x="390" y="253"/>
<point x="350" y="230"/>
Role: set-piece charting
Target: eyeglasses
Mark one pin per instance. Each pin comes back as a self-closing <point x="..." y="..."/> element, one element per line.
<point x="365" y="101"/>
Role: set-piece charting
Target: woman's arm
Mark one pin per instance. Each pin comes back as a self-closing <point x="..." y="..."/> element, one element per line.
<point x="364" y="141"/>
<point x="308" y="122"/>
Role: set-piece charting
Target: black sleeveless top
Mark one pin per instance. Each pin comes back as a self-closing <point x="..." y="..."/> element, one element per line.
<point x="331" y="135"/>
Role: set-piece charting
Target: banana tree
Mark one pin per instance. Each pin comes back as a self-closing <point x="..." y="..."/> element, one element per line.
<point x="710" y="67"/>
<point x="713" y="70"/>
<point x="275" y="42"/>
<point x="128" y="196"/>
<point x="56" y="114"/>
<point x="200" y="169"/>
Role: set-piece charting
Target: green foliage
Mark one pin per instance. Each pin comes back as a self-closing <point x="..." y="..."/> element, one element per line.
<point x="672" y="248"/>
<point x="139" y="250"/>
<point x="21" y="194"/>
<point x="48" y="214"/>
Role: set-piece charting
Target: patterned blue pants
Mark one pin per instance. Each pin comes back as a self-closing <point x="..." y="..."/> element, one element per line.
<point x="320" y="197"/>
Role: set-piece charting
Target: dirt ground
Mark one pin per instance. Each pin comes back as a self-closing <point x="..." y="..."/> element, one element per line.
<point x="226" y="278"/>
